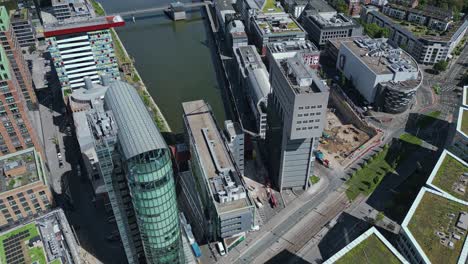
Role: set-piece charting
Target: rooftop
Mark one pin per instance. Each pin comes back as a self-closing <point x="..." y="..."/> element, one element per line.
<point x="301" y="78"/>
<point x="450" y="175"/>
<point x="277" y="24"/>
<point x="19" y="14"/>
<point x="19" y="169"/>
<point x="436" y="224"/>
<point x="218" y="167"/>
<point x="82" y="24"/>
<point x="334" y="21"/>
<point x="288" y="46"/>
<point x="464" y="121"/>
<point x="420" y="31"/>
<point x="319" y="6"/>
<point x="271" y="6"/>
<point x="370" y="247"/>
<point x="46" y="238"/>
<point x="380" y="56"/>
<point x="428" y="11"/>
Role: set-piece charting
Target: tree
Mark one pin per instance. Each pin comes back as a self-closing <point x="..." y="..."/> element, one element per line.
<point x="385" y="32"/>
<point x="341" y="6"/>
<point x="32" y="48"/>
<point x="440" y="66"/>
<point x="372" y="30"/>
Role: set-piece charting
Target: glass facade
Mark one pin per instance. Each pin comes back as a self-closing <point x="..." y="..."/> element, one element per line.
<point x="152" y="188"/>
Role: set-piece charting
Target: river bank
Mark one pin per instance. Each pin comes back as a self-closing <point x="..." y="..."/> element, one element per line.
<point x="134" y="77"/>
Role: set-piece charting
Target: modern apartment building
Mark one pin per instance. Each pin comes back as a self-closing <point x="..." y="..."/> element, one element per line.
<point x="295" y="7"/>
<point x="323" y="23"/>
<point x="16" y="130"/>
<point x="83" y="47"/>
<point x="236" y="34"/>
<point x="17" y="63"/>
<point x="429" y="16"/>
<point x="296" y="119"/>
<point x="253" y="78"/>
<point x="226" y="208"/>
<point x="24" y="192"/>
<point x="385" y="76"/>
<point x="235" y="139"/>
<point x="21" y="21"/>
<point x="275" y="27"/>
<point x="427" y="46"/>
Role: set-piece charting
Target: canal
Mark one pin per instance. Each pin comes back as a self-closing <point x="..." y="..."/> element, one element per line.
<point x="173" y="58"/>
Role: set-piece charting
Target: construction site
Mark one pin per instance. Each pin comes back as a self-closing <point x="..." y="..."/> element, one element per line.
<point x="345" y="134"/>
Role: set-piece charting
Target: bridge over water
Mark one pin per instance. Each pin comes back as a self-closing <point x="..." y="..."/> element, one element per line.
<point x="162" y="8"/>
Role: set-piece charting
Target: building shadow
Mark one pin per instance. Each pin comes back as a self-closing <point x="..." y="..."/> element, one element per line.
<point x="428" y="127"/>
<point x="344" y="232"/>
<point x="286" y="256"/>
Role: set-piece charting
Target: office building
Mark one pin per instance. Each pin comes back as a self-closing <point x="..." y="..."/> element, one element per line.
<point x="309" y="53"/>
<point x="434" y="229"/>
<point x="85" y="104"/>
<point x="16" y="130"/>
<point x="46" y="239"/>
<point x="295" y="7"/>
<point x="24" y="192"/>
<point x="323" y="23"/>
<point x="18" y="65"/>
<point x="64" y="9"/>
<point x="427" y="46"/>
<point x="136" y="167"/>
<point x="253" y="77"/>
<point x="385" y="76"/>
<point x="226" y="209"/>
<point x="82" y="48"/>
<point x="296" y="118"/>
<point x="370" y="246"/>
<point x="248" y="9"/>
<point x="21" y="21"/>
<point x="460" y="140"/>
<point x="235" y="140"/>
<point x="275" y="27"/>
<point x="236" y="34"/>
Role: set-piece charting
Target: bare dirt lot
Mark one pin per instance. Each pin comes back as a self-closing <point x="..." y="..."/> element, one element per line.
<point x="340" y="140"/>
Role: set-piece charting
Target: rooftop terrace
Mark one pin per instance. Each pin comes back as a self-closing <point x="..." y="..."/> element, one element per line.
<point x="271" y="6"/>
<point x="450" y="175"/>
<point x="370" y="247"/>
<point x="46" y="238"/>
<point x="20" y="169"/>
<point x="437" y="226"/>
<point x="337" y="20"/>
<point x="214" y="156"/>
<point x="464" y="121"/>
<point x="277" y="24"/>
<point x="280" y="47"/>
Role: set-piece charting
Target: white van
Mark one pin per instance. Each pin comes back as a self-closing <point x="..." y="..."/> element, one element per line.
<point x="220" y="247"/>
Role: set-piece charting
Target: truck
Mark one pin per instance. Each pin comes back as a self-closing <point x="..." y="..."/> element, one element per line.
<point x="321" y="158"/>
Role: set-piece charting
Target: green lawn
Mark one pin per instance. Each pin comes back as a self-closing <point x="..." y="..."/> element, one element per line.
<point x="56" y="261"/>
<point x="37" y="254"/>
<point x="314" y="179"/>
<point x="428" y="119"/>
<point x="464" y="126"/>
<point x="33" y="232"/>
<point x="448" y="173"/>
<point x="365" y="180"/>
<point x="411" y="139"/>
<point x="98" y="8"/>
<point x="270" y="7"/>
<point x="118" y="48"/>
<point x="432" y="216"/>
<point x="371" y="250"/>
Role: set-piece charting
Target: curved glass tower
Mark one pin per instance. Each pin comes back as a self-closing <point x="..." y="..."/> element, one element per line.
<point x="147" y="167"/>
<point x="152" y="187"/>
